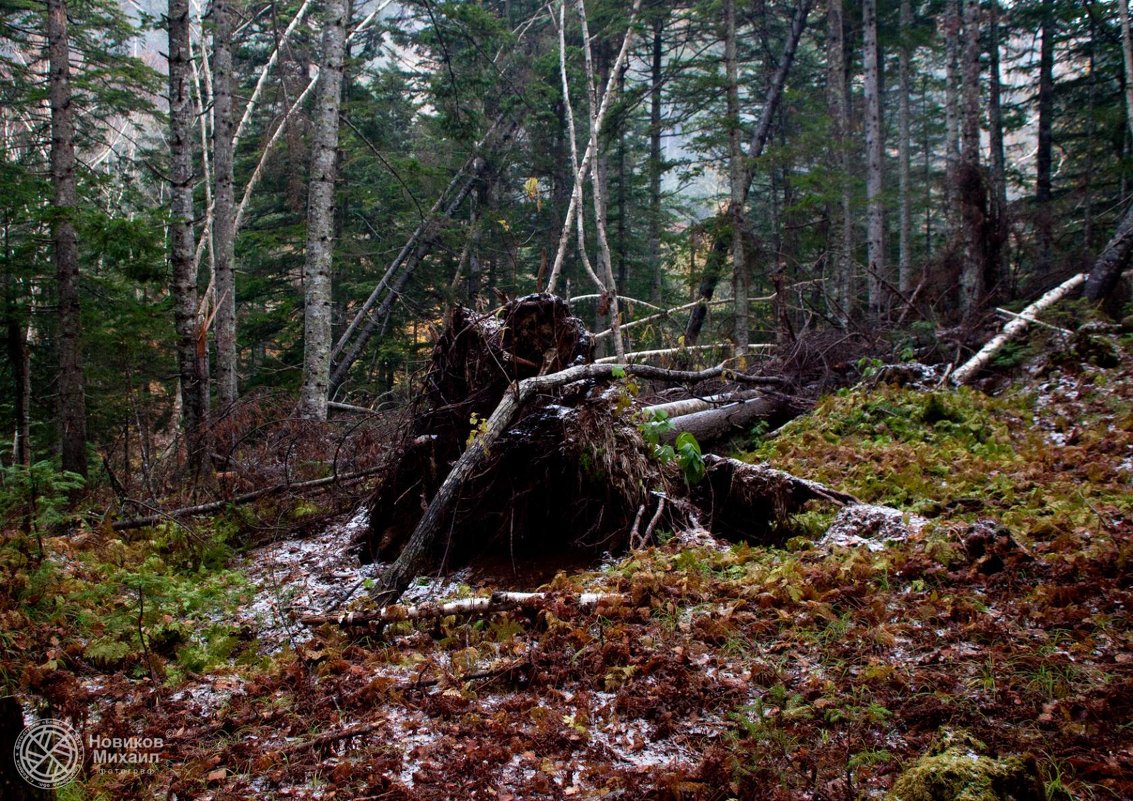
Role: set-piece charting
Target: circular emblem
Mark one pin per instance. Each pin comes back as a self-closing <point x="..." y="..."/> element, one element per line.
<point x="48" y="754"/>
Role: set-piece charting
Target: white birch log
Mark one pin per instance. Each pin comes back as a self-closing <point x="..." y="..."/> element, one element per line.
<point x="968" y="370"/>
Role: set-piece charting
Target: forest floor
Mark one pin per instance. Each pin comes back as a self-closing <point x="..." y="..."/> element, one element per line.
<point x="818" y="669"/>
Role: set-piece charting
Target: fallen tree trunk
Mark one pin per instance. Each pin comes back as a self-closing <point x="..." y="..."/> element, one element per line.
<point x="366" y="322"/>
<point x="1014" y="329"/>
<point x="754" y="502"/>
<point x="1112" y="261"/>
<point x="482" y="606"/>
<point x="709" y="425"/>
<point x="247" y="497"/>
<point x="692" y="405"/>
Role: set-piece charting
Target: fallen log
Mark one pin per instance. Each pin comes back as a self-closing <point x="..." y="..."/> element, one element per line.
<point x="481" y="606"/>
<point x="692" y="405"/>
<point x="1014" y="329"/>
<point x="247" y="497"/>
<point x="716" y="423"/>
<point x="753" y="502"/>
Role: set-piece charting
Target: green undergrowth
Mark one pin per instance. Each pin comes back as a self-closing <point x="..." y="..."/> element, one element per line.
<point x="961" y="454"/>
<point x="157" y="603"/>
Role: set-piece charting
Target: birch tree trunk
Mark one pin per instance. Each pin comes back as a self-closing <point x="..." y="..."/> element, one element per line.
<point x="736" y="179"/>
<point x="875" y="212"/>
<point x="598" y="179"/>
<point x="192" y="340"/>
<point x="320" y="218"/>
<point x="843" y="224"/>
<point x="905" y="221"/>
<point x="72" y="400"/>
<point x="224" y="203"/>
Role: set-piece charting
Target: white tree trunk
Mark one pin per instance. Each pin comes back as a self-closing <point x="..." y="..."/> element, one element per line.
<point x="320" y="218"/>
<point x="598" y="178"/>
<point x="587" y="158"/>
<point x="967" y="371"/>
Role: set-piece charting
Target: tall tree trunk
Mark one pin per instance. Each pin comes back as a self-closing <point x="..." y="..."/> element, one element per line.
<point x="905" y="222"/>
<point x="656" y="167"/>
<point x="1127" y="60"/>
<point x="951" y="101"/>
<point x="192" y="336"/>
<point x="224" y="203"/>
<point x="842" y="238"/>
<point x="997" y="160"/>
<point x="320" y="218"/>
<point x="1044" y="156"/>
<point x="875" y="212"/>
<point x="737" y="172"/>
<point x="970" y="189"/>
<point x="72" y="400"/>
<point x="620" y="230"/>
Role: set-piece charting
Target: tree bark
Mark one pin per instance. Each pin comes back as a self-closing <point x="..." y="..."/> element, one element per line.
<point x="72" y="399"/>
<point x="656" y="166"/>
<point x="575" y="203"/>
<point x="709" y="425"/>
<point x="1044" y="158"/>
<point x="1127" y="60"/>
<point x="1112" y="261"/>
<point x="997" y="159"/>
<point x="224" y="203"/>
<point x="904" y="96"/>
<point x="951" y="99"/>
<point x="320" y="218"/>
<point x="842" y="237"/>
<point x="192" y="336"/>
<point x="598" y="177"/>
<point x="875" y="211"/>
<point x="971" y="190"/>
<point x="967" y="371"/>
<point x="737" y="173"/>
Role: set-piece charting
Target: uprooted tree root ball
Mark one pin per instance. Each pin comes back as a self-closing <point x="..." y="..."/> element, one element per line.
<point x="568" y="467"/>
<point x="570" y="474"/>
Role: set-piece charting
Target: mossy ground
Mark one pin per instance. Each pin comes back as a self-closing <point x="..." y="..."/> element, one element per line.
<point x="731" y="672"/>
